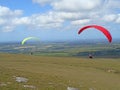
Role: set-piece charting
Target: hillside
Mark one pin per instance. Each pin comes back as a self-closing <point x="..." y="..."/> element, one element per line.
<point x="58" y="73"/>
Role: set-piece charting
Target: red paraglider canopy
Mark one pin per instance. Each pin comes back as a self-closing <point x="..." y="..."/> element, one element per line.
<point x="100" y="28"/>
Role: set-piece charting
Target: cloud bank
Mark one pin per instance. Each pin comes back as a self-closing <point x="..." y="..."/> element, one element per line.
<point x="76" y="12"/>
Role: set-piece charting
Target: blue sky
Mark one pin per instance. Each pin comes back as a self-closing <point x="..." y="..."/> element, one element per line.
<point x="57" y="19"/>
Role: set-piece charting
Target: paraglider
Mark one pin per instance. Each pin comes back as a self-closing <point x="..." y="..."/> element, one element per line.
<point x="100" y="28"/>
<point x="28" y="38"/>
<point x="90" y="56"/>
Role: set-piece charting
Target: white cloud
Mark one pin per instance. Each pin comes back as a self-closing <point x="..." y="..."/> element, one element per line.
<point x="38" y="21"/>
<point x="8" y="28"/>
<point x="67" y="15"/>
<point x="114" y="4"/>
<point x="6" y="18"/>
<point x="77" y="5"/>
<point x="118" y="19"/>
<point x="115" y="18"/>
<point x="6" y="12"/>
<point x="79" y="22"/>
<point x="110" y="18"/>
<point x="56" y="19"/>
<point x="2" y="21"/>
<point x="75" y="12"/>
<point x="10" y="19"/>
<point x="45" y="21"/>
<point x="21" y="21"/>
<point x="73" y="5"/>
<point x="43" y="2"/>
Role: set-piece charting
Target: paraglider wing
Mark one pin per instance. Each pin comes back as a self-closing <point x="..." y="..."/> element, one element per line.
<point x="100" y="28"/>
<point x="28" y="38"/>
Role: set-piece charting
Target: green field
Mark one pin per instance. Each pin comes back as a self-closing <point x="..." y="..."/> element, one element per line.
<point x="57" y="73"/>
<point x="62" y="49"/>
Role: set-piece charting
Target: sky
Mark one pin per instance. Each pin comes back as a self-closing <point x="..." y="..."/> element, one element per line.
<point x="57" y="20"/>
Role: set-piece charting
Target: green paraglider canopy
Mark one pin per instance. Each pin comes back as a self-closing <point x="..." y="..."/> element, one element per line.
<point x="28" y="38"/>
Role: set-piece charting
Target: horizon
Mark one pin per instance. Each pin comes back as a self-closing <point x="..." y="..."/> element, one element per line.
<point x="67" y="41"/>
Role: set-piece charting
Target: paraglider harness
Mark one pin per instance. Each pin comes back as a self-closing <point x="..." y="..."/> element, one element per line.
<point x="90" y="56"/>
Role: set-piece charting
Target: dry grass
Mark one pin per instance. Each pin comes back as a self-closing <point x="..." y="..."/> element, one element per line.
<point x="57" y="73"/>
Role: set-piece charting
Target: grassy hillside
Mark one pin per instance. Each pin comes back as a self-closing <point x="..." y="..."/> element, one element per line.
<point x="57" y="73"/>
